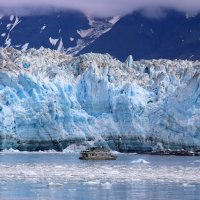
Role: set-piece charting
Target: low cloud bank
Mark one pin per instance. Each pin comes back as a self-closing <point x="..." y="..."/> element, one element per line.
<point x="100" y="8"/>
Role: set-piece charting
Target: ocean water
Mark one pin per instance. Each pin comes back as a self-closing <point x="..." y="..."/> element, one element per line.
<point x="48" y="176"/>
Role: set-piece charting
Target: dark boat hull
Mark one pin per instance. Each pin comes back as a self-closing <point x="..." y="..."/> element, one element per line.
<point x="98" y="158"/>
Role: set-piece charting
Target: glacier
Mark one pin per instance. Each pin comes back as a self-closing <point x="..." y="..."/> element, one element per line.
<point x="50" y="100"/>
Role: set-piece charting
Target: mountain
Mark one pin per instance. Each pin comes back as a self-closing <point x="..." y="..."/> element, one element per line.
<point x="175" y="35"/>
<point x="62" y="30"/>
<point x="49" y="100"/>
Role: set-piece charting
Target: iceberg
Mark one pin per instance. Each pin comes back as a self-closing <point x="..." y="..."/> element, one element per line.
<point x="139" y="161"/>
<point x="50" y="100"/>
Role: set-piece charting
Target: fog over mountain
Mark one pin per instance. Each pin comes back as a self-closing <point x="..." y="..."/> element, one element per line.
<point x="103" y="8"/>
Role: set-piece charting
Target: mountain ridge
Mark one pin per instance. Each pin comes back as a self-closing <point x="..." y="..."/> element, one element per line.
<point x="68" y="31"/>
<point x="173" y="36"/>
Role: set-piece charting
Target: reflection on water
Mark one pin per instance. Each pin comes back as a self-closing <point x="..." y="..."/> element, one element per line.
<point x="63" y="176"/>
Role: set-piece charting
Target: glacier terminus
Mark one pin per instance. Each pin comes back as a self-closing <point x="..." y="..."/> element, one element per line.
<point x="50" y="100"/>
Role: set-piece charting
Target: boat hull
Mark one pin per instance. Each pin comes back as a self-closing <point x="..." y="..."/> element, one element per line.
<point x="96" y="158"/>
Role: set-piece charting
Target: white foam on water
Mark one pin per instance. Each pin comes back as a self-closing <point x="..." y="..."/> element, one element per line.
<point x="116" y="152"/>
<point x="92" y="182"/>
<point x="51" y="184"/>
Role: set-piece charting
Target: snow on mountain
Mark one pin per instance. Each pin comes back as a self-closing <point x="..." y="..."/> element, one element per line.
<point x="88" y="36"/>
<point x="175" y="35"/>
<point x="49" y="100"/>
<point x="84" y="33"/>
<point x="53" y="41"/>
<point x="114" y="20"/>
<point x="54" y="31"/>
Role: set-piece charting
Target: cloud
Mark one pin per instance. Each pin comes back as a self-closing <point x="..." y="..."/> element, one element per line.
<point x="97" y="7"/>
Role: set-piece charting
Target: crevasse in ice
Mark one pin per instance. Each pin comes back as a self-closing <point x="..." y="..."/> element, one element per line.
<point x="51" y="100"/>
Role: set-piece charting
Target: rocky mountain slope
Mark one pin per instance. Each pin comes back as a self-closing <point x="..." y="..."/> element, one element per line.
<point x="67" y="31"/>
<point x="49" y="100"/>
<point x="170" y="35"/>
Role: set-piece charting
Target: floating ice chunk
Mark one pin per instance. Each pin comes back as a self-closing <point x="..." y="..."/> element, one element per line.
<point x="197" y="161"/>
<point x="97" y="174"/>
<point x="187" y="185"/>
<point x="52" y="184"/>
<point x="106" y="185"/>
<point x="92" y="182"/>
<point x="48" y="151"/>
<point x="10" y="151"/>
<point x="139" y="161"/>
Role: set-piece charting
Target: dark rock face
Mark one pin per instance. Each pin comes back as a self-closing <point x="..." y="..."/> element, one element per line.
<point x="36" y="30"/>
<point x="68" y="31"/>
<point x="174" y="36"/>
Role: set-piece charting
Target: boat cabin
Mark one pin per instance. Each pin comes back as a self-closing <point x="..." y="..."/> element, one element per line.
<point x="97" y="153"/>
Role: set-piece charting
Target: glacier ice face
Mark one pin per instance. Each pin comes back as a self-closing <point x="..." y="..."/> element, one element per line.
<point x="49" y="100"/>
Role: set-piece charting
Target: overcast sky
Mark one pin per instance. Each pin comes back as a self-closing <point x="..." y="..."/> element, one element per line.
<point x="100" y="7"/>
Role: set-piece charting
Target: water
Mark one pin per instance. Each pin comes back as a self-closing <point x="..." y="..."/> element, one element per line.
<point x="62" y="176"/>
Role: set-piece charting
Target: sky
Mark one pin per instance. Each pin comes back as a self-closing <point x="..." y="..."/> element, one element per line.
<point x="100" y="8"/>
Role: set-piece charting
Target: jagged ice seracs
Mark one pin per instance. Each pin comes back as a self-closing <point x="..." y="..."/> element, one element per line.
<point x="49" y="100"/>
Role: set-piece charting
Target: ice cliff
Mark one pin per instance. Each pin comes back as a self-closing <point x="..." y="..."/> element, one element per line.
<point x="51" y="100"/>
